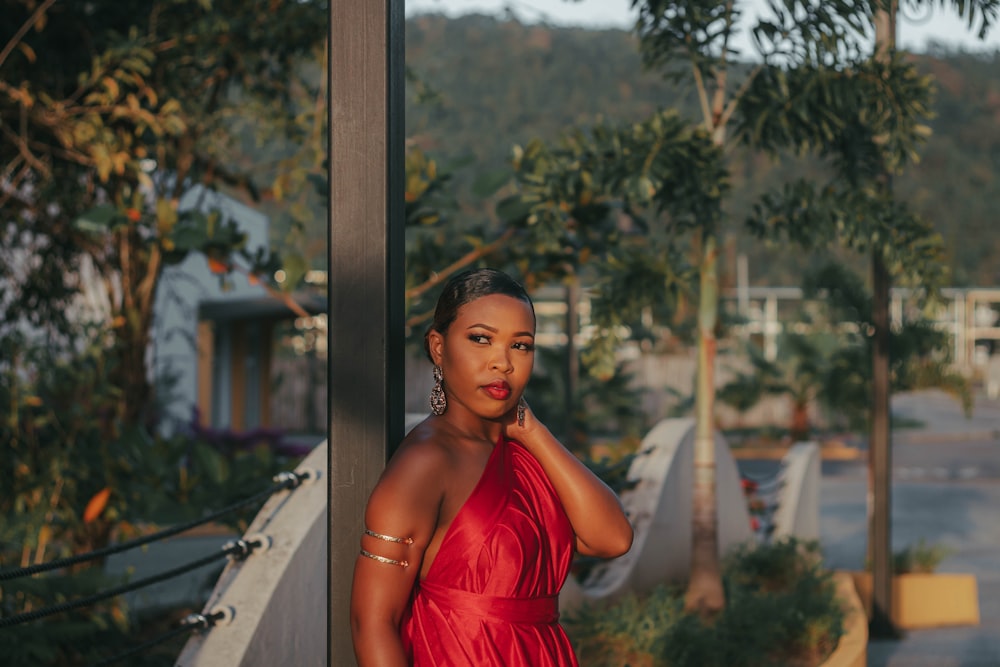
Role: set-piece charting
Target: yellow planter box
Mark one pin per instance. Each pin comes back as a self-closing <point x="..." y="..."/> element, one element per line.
<point x="926" y="600"/>
<point x="852" y="649"/>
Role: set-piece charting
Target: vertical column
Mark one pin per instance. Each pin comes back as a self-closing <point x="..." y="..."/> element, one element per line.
<point x="572" y="389"/>
<point x="206" y="365"/>
<point x="961" y="357"/>
<point x="772" y="327"/>
<point x="896" y="317"/>
<point x="237" y="374"/>
<point x="365" y="280"/>
<point x="970" y="329"/>
<point x="879" y="443"/>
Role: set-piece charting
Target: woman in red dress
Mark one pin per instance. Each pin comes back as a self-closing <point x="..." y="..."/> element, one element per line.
<point x="472" y="526"/>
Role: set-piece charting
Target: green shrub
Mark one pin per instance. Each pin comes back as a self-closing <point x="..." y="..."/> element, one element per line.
<point x="781" y="610"/>
<point x="65" y="451"/>
<point x="919" y="558"/>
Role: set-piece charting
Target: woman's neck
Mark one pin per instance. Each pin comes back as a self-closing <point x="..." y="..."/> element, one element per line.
<point x="473" y="427"/>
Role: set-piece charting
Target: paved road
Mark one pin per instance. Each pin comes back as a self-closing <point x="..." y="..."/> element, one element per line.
<point x="946" y="489"/>
<point x="961" y="515"/>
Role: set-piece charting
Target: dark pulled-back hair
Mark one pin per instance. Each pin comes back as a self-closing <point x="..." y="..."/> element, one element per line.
<point x="468" y="286"/>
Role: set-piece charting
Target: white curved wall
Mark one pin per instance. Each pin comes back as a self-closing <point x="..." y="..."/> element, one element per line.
<point x="279" y="596"/>
<point x="660" y="507"/>
<point x="798" y="500"/>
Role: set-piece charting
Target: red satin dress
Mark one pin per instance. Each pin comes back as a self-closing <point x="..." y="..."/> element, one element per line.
<point x="490" y="597"/>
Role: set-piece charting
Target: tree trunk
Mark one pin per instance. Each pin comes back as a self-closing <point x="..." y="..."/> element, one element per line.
<point x="799" y="427"/>
<point x="133" y="378"/>
<point x="137" y="267"/>
<point x="705" y="594"/>
<point x="879" y="444"/>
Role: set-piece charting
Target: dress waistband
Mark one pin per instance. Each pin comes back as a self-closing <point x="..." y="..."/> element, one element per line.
<point x="537" y="610"/>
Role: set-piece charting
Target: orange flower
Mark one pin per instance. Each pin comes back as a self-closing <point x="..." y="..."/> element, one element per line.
<point x="96" y="505"/>
<point x="217" y="266"/>
<point x="133" y="214"/>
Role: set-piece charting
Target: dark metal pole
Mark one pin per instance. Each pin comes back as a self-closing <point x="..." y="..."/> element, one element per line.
<point x="572" y="390"/>
<point x="880" y="445"/>
<point x="365" y="280"/>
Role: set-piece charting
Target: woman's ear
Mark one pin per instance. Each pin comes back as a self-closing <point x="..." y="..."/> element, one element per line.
<point x="435" y="346"/>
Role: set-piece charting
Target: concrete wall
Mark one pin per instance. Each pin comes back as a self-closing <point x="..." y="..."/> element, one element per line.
<point x="278" y="596"/>
<point x="798" y="500"/>
<point x="660" y="507"/>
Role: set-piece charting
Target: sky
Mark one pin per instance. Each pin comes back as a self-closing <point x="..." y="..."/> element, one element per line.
<point x="913" y="29"/>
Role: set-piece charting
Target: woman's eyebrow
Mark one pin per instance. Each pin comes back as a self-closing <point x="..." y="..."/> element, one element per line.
<point x="495" y="330"/>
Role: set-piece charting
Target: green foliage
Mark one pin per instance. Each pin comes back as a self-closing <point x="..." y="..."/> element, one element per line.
<point x="110" y="113"/>
<point x="831" y="363"/>
<point x="661" y="165"/>
<point x="538" y="80"/>
<point x="782" y="609"/>
<point x="63" y="449"/>
<point x="918" y="351"/>
<point x="866" y="117"/>
<point x="919" y="558"/>
<point x="603" y="407"/>
<point x="862" y="220"/>
<point x="614" y="202"/>
<point x="630" y="631"/>
<point x="749" y="387"/>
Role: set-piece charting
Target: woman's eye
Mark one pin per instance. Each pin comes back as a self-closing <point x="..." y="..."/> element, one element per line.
<point x="525" y="347"/>
<point x="479" y="338"/>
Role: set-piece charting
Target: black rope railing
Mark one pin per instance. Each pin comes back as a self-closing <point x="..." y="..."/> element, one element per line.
<point x="189" y="624"/>
<point x="283" y="480"/>
<point x="770" y="482"/>
<point x="239" y="549"/>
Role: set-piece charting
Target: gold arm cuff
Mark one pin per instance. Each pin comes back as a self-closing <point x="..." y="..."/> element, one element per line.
<point x="383" y="559"/>
<point x="389" y="538"/>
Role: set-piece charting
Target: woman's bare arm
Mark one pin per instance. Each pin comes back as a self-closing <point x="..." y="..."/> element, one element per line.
<point x="595" y="512"/>
<point x="403" y="505"/>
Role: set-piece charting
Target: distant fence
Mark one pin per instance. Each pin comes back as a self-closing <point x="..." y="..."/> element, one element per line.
<point x="971" y="317"/>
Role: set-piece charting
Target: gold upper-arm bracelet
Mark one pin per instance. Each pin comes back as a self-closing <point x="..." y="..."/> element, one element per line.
<point x="389" y="538"/>
<point x="383" y="559"/>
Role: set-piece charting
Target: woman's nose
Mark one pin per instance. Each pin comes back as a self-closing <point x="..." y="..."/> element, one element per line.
<point x="501" y="362"/>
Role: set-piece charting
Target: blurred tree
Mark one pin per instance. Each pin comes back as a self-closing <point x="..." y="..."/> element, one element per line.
<point x="109" y="111"/>
<point x="814" y="87"/>
<point x="828" y="366"/>
<point x="877" y="109"/>
<point x="539" y="79"/>
<point x="918" y="351"/>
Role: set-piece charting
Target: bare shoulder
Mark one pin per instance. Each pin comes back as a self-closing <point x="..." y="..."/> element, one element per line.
<point x="421" y="462"/>
<point x="410" y="491"/>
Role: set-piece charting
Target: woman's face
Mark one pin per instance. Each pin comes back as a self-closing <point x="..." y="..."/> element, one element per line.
<point x="486" y="355"/>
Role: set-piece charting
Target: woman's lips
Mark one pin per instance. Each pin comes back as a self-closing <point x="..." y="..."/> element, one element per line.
<point x="498" y="390"/>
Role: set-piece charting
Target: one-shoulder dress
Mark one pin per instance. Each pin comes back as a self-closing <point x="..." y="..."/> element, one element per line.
<point x="490" y="597"/>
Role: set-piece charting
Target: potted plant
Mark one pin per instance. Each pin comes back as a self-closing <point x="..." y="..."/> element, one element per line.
<point x="921" y="596"/>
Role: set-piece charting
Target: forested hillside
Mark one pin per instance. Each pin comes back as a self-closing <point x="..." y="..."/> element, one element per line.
<point x="501" y="83"/>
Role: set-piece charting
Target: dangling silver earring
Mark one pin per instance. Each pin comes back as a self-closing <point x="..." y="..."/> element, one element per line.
<point x="438" y="401"/>
<point x="522" y="407"/>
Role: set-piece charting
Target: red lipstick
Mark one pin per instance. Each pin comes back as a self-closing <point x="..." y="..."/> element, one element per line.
<point x="499" y="390"/>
